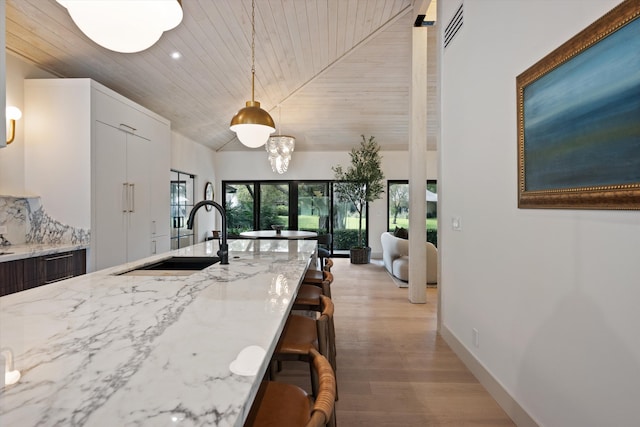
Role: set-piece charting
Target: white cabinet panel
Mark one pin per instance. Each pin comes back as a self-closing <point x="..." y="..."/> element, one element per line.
<point x="109" y="233"/>
<point x="118" y="179"/>
<point x="125" y="116"/>
<point x="137" y="180"/>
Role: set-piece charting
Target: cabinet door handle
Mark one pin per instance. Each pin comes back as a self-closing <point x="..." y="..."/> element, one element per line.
<point x="129" y="129"/>
<point x="153" y="247"/>
<point x="133" y="198"/>
<point x="54" y="258"/>
<point x="125" y="197"/>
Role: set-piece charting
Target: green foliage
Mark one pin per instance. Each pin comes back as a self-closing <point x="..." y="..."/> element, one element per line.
<point x="239" y="219"/>
<point x="362" y="181"/>
<point x="269" y="216"/>
<point x="432" y="236"/>
<point x="274" y="205"/>
<point x="345" y="239"/>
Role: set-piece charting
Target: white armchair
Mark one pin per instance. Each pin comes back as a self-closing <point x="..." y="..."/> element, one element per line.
<point x="395" y="256"/>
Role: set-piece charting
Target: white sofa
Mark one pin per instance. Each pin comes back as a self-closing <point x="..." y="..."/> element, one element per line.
<point x="395" y="256"/>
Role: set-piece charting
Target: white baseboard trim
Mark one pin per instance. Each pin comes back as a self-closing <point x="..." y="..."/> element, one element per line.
<point x="495" y="389"/>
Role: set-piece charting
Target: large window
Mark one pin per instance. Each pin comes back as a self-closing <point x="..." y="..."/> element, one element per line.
<point x="297" y="205"/>
<point x="345" y="225"/>
<point x="313" y="206"/>
<point x="274" y="205"/>
<point x="239" y="201"/>
<point x="398" y="207"/>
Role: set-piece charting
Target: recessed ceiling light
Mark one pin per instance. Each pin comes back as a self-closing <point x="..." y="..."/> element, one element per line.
<point x="176" y="55"/>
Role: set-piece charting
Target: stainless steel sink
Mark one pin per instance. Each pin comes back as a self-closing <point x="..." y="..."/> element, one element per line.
<point x="174" y="266"/>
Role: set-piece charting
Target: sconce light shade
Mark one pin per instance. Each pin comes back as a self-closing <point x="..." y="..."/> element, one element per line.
<point x="12" y="114"/>
<point x="124" y="26"/>
<point x="253" y="125"/>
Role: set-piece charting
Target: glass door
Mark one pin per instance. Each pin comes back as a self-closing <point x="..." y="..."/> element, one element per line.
<point x="239" y="202"/>
<point x="313" y="207"/>
<point x="181" y="194"/>
<point x="346" y="224"/>
<point x="274" y="205"/>
<point x="314" y="202"/>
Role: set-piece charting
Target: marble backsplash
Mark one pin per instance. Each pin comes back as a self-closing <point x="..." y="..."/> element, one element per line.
<point x="27" y="222"/>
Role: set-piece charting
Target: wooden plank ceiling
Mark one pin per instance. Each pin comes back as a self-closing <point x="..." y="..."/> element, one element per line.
<point x="326" y="70"/>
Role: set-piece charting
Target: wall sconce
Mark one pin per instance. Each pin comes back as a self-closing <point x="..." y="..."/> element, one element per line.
<point x="13" y="114"/>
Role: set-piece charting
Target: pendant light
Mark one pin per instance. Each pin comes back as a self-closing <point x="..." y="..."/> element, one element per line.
<point x="280" y="148"/>
<point x="252" y="124"/>
<point x="124" y="26"/>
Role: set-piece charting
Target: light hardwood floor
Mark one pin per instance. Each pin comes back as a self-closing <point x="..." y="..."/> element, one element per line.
<point x="393" y="367"/>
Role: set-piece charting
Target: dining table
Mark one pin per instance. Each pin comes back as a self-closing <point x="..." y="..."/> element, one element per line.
<point x="283" y="234"/>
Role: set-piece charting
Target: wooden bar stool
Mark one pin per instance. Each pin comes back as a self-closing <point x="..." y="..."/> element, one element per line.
<point x="302" y="333"/>
<point x="286" y="405"/>
<point x="308" y="298"/>
<point x="320" y="278"/>
<point x="313" y="285"/>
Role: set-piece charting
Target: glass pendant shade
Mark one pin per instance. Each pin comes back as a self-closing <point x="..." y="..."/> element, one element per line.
<point x="280" y="148"/>
<point x="253" y="125"/>
<point x="124" y="26"/>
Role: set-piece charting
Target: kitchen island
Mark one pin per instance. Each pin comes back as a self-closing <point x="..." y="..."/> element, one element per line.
<point x="111" y="349"/>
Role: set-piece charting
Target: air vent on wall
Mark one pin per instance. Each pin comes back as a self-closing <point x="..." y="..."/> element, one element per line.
<point x="453" y="26"/>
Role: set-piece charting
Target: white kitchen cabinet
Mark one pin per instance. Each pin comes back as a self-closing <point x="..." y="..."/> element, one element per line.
<point x="99" y="161"/>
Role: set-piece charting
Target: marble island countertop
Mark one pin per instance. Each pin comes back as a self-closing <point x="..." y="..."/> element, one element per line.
<point x="109" y="349"/>
<point x="21" y="251"/>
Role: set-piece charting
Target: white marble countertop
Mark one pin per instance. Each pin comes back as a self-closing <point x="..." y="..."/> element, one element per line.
<point x="15" y="252"/>
<point x="107" y="349"/>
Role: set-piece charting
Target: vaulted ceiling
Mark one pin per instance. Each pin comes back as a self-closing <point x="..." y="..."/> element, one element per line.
<point x="327" y="70"/>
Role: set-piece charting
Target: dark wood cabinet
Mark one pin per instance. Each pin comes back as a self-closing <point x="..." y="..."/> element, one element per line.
<point x="11" y="277"/>
<point x="18" y="275"/>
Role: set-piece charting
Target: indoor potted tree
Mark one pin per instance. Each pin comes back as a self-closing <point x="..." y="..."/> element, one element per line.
<point x="359" y="184"/>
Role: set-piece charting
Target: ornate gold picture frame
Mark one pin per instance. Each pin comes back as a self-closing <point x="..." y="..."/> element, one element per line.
<point x="579" y="119"/>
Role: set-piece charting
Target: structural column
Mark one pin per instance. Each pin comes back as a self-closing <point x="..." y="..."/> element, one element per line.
<point x="418" y="169"/>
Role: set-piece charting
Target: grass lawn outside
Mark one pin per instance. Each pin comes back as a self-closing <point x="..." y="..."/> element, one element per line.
<point x="310" y="222"/>
<point x="432" y="223"/>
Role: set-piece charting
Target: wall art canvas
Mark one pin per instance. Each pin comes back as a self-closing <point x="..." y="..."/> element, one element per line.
<point x="579" y="119"/>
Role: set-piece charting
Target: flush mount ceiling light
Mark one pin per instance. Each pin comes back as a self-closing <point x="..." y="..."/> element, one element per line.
<point x="124" y="26"/>
<point x="252" y="124"/>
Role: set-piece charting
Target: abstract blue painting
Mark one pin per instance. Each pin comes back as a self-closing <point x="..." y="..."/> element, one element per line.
<point x="579" y="119"/>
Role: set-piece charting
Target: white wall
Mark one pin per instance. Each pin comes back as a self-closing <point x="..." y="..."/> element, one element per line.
<point x="190" y="157"/>
<point x="553" y="293"/>
<point x="307" y="165"/>
<point x="12" y="173"/>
